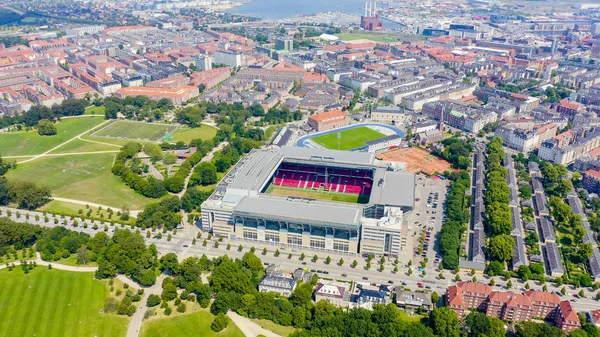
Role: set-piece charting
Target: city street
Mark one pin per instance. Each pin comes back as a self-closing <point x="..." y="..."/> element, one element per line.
<point x="181" y="244"/>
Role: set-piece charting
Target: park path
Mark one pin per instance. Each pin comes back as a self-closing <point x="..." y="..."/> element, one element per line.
<point x="61" y="154"/>
<point x="97" y="142"/>
<point x="56" y="147"/>
<point x="249" y="328"/>
<point x="209" y="156"/>
<point x="92" y="204"/>
<point x="133" y="330"/>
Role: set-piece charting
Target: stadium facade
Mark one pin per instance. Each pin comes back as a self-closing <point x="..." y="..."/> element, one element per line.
<point x="269" y="196"/>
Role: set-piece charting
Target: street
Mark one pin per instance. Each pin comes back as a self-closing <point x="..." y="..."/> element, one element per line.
<point x="181" y="244"/>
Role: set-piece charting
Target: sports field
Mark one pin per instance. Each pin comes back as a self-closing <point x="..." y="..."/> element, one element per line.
<point x="80" y="177"/>
<point x="186" y="134"/>
<point x="30" y="143"/>
<point x="319" y="194"/>
<point x="195" y="324"/>
<point x="136" y="130"/>
<point x="350" y="138"/>
<point x="55" y="303"/>
<point x="417" y="160"/>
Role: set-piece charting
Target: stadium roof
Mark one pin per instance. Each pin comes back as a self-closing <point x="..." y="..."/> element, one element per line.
<point x="295" y="210"/>
<point x="330" y="156"/>
<point x="253" y="171"/>
<point x="393" y="188"/>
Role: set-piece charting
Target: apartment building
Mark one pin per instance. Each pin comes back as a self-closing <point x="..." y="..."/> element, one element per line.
<point x="328" y="120"/>
<point x="591" y="181"/>
<point x="510" y="306"/>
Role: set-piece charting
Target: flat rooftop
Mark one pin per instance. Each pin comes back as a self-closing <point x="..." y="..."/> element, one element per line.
<point x="292" y="209"/>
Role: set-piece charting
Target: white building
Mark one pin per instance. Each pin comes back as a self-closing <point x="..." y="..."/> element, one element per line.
<point x="228" y="58"/>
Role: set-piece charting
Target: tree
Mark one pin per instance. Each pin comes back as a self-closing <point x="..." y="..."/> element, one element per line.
<point x="501" y="247"/>
<point x="204" y="174"/>
<point x="381" y="267"/>
<point x="219" y="323"/>
<point x="444" y="322"/>
<point x="302" y="256"/>
<point x="82" y="255"/>
<point x="27" y="195"/>
<point x="169" y="263"/>
<point x="315" y="258"/>
<point x="354" y="264"/>
<point x="524" y="273"/>
<point x="581" y="293"/>
<point x="328" y="260"/>
<point x="153" y="300"/>
<point x="532" y="329"/>
<point x="169" y="290"/>
<point x="46" y="128"/>
<point x="341" y="262"/>
<point x="563" y="290"/>
<point x="252" y="262"/>
<point x="277" y="253"/>
<point x="264" y="251"/>
<point x="509" y="284"/>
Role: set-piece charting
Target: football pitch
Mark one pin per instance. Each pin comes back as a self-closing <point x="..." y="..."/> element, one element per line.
<point x="136" y="130"/>
<point x="350" y="138"/>
<point x="55" y="303"/>
<point x="317" y="194"/>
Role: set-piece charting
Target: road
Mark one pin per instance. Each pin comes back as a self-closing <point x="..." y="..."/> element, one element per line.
<point x="133" y="329"/>
<point x="181" y="244"/>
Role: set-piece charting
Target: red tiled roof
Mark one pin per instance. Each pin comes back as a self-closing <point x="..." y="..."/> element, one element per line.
<point x="595" y="316"/>
<point x="593" y="173"/>
<point x="329" y="114"/>
<point x="542" y="296"/>
<point x="568" y="312"/>
<point x="475" y="287"/>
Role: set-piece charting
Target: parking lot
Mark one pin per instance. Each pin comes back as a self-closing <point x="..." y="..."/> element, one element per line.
<point x="427" y="218"/>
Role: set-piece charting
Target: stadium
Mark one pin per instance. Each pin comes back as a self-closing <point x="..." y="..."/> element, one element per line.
<point x="347" y="202"/>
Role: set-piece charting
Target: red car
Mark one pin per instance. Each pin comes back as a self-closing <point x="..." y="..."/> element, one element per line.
<point x="420" y="285"/>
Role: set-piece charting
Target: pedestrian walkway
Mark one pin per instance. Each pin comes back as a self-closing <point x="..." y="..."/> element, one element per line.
<point x="249" y="328"/>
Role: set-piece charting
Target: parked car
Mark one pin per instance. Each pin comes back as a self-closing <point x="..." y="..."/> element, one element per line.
<point x="420" y="285"/>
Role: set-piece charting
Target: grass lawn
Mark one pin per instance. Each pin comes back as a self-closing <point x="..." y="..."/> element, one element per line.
<point x="30" y="143"/>
<point x="194" y="324"/>
<point x="186" y="134"/>
<point x="71" y="209"/>
<point x="22" y="254"/>
<point x="136" y="130"/>
<point x="49" y="303"/>
<point x="78" y="145"/>
<point x="321" y="195"/>
<point x="351" y="138"/>
<point x="81" y="177"/>
<point x="276" y="328"/>
<point x="72" y="261"/>
<point x="95" y="110"/>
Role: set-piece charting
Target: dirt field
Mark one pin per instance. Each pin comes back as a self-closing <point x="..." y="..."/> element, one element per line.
<point x="417" y="160"/>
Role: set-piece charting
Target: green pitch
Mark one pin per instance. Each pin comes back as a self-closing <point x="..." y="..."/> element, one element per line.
<point x="351" y="138"/>
<point x="29" y="143"/>
<point x="195" y="324"/>
<point x="136" y="130"/>
<point x="55" y="303"/>
<point x="317" y="194"/>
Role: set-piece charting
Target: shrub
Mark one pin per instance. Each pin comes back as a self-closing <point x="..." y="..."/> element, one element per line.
<point x="219" y="323"/>
<point x="153" y="300"/>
